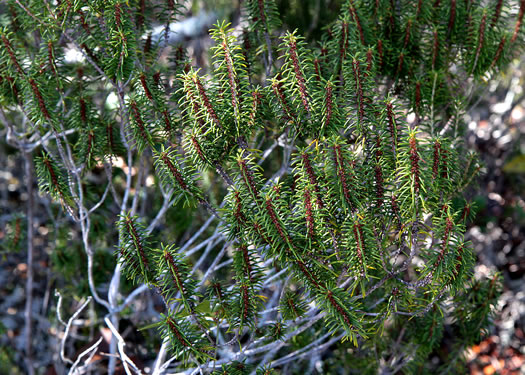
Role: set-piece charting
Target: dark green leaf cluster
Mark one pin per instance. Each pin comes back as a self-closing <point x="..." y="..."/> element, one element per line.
<point x="135" y="250"/>
<point x="340" y="162"/>
<point x="15" y="235"/>
<point x="53" y="180"/>
<point x="174" y="175"/>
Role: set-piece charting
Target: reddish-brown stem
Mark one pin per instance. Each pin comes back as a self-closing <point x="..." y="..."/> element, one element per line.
<point x="408" y="30"/>
<point x="299" y="75"/>
<point x="174" y="172"/>
<point x="437" y="153"/>
<point x="379" y="173"/>
<point x="17" y="231"/>
<point x="518" y="22"/>
<point x="369" y="59"/>
<point x="156" y="78"/>
<point x="247" y="263"/>
<point x="452" y="18"/>
<point x="391" y="124"/>
<point x="307" y="273"/>
<point x="83" y="22"/>
<point x="418" y="95"/>
<point x="324" y="53"/>
<point x="431" y="330"/>
<point x="137" y="241"/>
<point x="198" y="149"/>
<point x="51" y="58"/>
<point x="167" y="121"/>
<point x="312" y="178"/>
<point x="175" y="272"/>
<point x="277" y="189"/>
<point x="260" y="4"/>
<point x="141" y="12"/>
<point x="275" y="220"/>
<point x="13" y="87"/>
<point x="231" y="76"/>
<point x="246" y="301"/>
<point x="379" y="184"/>
<point x="380" y="52"/>
<point x="338" y="308"/>
<point x="343" y="44"/>
<point x="11" y="54"/>
<point x="83" y="111"/>
<point x="52" y="173"/>
<point x="317" y="69"/>
<point x="147" y="44"/>
<point x="118" y="12"/>
<point x="400" y="63"/>
<point x="339" y="165"/>
<point x="278" y="91"/>
<point x="248" y="178"/>
<point x="138" y="121"/>
<point x="61" y="10"/>
<point x="435" y="48"/>
<point x="355" y="17"/>
<point x="178" y="335"/>
<point x="239" y="216"/>
<point x="255" y="105"/>
<point x="328" y="101"/>
<point x="206" y="101"/>
<point x="394" y="205"/>
<point x="499" y="51"/>
<point x="359" y="240"/>
<point x="145" y="86"/>
<point x="90" y="140"/>
<point x="40" y="99"/>
<point x="217" y="288"/>
<point x="196" y="108"/>
<point x="310" y="222"/>
<point x="330" y="33"/>
<point x="444" y="243"/>
<point x="379" y="151"/>
<point x="259" y="231"/>
<point x="291" y="304"/>
<point x="444" y="163"/>
<point x="466" y="212"/>
<point x="179" y="55"/>
<point x="414" y="159"/>
<point x="418" y="8"/>
<point x="459" y="258"/>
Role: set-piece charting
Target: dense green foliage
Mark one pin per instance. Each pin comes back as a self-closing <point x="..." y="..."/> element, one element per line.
<point x="355" y="230"/>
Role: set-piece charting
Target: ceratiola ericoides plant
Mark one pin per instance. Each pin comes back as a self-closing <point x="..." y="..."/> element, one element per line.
<point x="332" y="171"/>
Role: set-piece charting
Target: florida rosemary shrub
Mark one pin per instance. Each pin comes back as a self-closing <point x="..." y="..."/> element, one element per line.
<point x="332" y="173"/>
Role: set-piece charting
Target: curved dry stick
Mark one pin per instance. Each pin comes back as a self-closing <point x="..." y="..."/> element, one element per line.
<point x="68" y="326"/>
